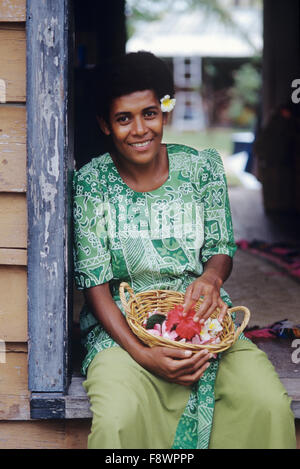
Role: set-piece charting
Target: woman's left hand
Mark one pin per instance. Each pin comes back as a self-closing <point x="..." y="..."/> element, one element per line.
<point x="207" y="286"/>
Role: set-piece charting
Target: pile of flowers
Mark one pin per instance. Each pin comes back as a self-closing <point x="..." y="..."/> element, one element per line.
<point x="175" y="326"/>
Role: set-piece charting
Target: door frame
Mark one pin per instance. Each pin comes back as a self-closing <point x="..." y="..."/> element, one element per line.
<point x="50" y="165"/>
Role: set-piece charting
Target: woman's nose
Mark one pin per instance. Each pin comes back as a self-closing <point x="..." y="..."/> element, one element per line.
<point x="139" y="126"/>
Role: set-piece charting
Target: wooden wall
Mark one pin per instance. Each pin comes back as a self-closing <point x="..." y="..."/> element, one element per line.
<point x="14" y="403"/>
<point x="16" y="428"/>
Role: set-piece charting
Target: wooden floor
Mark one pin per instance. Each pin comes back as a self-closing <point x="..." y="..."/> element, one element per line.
<point x="250" y="221"/>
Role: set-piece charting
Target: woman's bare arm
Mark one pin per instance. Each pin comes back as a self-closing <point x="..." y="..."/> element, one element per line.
<point x="108" y="313"/>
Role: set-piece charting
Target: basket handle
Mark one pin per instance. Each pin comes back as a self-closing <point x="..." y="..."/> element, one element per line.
<point x="245" y="320"/>
<point x="122" y="287"/>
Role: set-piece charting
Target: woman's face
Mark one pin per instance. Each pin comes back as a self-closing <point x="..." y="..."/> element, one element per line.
<point x="136" y="126"/>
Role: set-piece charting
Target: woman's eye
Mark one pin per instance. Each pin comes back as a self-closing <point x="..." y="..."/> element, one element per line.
<point x="150" y="114"/>
<point x="123" y="119"/>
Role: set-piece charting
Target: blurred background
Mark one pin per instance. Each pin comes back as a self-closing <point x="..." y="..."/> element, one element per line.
<point x="215" y="52"/>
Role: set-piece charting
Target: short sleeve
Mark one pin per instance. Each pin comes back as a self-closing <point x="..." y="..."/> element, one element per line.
<point x="92" y="259"/>
<point x="218" y="229"/>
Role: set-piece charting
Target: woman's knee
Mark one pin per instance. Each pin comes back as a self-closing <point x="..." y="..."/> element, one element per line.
<point x="266" y="398"/>
<point x="115" y="419"/>
<point x="275" y="403"/>
<point x="114" y="400"/>
<point x="115" y="426"/>
<point x="253" y="380"/>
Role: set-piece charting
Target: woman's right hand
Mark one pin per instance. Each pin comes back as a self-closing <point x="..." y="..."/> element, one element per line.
<point x="174" y="365"/>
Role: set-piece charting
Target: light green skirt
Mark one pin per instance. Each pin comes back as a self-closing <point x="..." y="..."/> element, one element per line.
<point x="134" y="409"/>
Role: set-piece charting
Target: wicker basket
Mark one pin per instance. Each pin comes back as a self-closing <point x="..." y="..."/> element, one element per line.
<point x="140" y="304"/>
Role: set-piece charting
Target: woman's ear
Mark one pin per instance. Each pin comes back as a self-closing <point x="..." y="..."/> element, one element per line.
<point x="165" y="118"/>
<point x="103" y="125"/>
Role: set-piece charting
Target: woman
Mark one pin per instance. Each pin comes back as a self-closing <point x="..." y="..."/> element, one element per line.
<point x="158" y="217"/>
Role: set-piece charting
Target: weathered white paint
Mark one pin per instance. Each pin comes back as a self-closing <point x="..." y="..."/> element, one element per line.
<point x="2" y="351"/>
<point x="47" y="163"/>
<point x="48" y="193"/>
<point x="2" y="91"/>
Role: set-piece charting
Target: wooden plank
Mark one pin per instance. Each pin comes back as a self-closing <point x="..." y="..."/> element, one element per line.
<point x="279" y="351"/>
<point x="12" y="148"/>
<point x="13" y="304"/>
<point x="13" y="256"/>
<point x="14" y="394"/>
<point x="50" y="169"/>
<point x="292" y="385"/>
<point x="74" y="405"/>
<point x="32" y="435"/>
<point x="13" y="61"/>
<point x="44" y="434"/>
<point x="77" y="432"/>
<point x="13" y="216"/>
<point x="12" y="10"/>
<point x="47" y="406"/>
<point x="77" y="402"/>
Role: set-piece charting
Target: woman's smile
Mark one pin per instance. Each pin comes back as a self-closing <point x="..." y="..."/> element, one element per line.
<point x="142" y="146"/>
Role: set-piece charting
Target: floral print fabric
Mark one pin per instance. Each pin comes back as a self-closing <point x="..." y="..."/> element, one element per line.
<point x="153" y="240"/>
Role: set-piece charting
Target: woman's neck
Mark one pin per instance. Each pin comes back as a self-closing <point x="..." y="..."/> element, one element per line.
<point x="146" y="177"/>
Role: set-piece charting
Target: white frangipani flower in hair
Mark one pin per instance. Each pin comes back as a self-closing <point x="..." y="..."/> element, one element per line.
<point x="167" y="103"/>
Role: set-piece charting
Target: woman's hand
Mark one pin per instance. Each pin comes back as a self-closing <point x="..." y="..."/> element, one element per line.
<point x="207" y="286"/>
<point x="174" y="365"/>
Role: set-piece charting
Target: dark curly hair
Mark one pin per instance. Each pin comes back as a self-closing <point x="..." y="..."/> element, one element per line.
<point x="135" y="71"/>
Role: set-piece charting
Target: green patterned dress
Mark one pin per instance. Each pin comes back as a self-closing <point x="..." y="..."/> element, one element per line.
<point x="153" y="240"/>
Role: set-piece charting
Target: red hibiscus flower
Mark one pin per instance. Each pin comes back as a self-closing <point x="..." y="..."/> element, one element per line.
<point x="185" y="327"/>
<point x="174" y="316"/>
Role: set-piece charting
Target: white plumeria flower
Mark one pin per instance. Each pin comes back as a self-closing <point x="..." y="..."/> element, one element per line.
<point x="213" y="326"/>
<point x="167" y="104"/>
<point x="204" y="336"/>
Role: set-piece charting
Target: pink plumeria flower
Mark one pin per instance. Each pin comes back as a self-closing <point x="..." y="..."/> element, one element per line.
<point x="170" y="335"/>
<point x="154" y="332"/>
<point x="196" y="340"/>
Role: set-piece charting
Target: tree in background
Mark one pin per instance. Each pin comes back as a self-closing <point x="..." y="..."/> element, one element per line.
<point x="154" y="10"/>
<point x="245" y="96"/>
<point x="230" y="87"/>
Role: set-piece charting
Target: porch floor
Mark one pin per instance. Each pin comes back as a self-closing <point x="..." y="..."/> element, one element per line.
<point x="270" y="294"/>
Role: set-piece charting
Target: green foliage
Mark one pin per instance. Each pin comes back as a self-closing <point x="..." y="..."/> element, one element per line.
<point x="247" y="84"/>
<point x="151" y="10"/>
<point x="155" y="319"/>
<point x="245" y="95"/>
